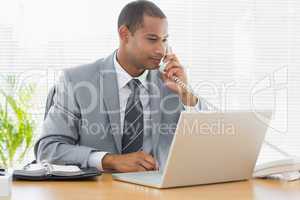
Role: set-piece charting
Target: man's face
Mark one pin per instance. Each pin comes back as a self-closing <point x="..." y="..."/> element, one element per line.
<point x="147" y="46"/>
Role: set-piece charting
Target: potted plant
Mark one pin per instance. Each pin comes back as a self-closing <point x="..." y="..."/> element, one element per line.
<point x="16" y="123"/>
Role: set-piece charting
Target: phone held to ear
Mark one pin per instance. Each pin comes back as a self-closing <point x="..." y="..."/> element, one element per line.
<point x="162" y="66"/>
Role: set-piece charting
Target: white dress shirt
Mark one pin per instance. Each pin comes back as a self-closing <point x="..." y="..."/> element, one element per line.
<point x="95" y="158"/>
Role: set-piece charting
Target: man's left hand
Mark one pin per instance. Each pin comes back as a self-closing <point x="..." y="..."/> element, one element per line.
<point x="174" y="68"/>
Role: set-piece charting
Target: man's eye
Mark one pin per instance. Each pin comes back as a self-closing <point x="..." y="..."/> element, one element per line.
<point x="152" y="39"/>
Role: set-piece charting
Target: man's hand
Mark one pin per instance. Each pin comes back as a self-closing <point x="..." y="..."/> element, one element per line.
<point x="174" y="68"/>
<point x="131" y="162"/>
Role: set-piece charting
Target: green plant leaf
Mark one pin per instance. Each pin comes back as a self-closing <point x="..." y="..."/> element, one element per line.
<point x="16" y="124"/>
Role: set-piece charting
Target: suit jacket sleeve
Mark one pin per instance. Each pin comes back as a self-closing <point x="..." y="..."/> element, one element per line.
<point x="200" y="106"/>
<point x="59" y="140"/>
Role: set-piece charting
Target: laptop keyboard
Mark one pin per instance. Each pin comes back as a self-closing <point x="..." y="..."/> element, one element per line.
<point x="154" y="177"/>
<point x="150" y="175"/>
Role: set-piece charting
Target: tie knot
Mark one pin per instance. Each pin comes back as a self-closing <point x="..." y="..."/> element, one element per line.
<point x="134" y="85"/>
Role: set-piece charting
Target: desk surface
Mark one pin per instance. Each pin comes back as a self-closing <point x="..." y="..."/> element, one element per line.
<point x="104" y="187"/>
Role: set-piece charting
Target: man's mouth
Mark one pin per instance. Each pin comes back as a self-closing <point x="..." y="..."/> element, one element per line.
<point x="156" y="60"/>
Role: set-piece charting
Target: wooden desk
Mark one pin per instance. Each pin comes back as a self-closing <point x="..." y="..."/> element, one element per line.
<point x="104" y="187"/>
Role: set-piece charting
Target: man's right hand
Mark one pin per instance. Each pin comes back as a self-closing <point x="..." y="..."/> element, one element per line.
<point x="131" y="162"/>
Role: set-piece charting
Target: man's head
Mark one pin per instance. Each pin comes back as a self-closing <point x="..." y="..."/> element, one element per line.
<point x="143" y="32"/>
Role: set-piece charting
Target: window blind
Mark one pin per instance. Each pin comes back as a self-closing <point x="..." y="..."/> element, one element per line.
<point x="239" y="54"/>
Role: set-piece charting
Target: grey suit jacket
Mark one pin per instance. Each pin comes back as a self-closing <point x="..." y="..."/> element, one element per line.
<point x="84" y="115"/>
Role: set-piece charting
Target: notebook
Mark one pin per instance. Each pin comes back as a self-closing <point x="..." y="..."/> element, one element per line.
<point x="47" y="171"/>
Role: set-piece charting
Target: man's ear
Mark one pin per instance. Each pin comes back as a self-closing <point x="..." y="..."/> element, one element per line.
<point x="124" y="33"/>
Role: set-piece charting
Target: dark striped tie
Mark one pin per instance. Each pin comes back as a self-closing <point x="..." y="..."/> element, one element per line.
<point x="133" y="129"/>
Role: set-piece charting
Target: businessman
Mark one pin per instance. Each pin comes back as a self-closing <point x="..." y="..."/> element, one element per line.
<point x="120" y="112"/>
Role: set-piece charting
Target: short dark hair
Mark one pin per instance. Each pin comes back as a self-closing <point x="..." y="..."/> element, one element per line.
<point x="133" y="13"/>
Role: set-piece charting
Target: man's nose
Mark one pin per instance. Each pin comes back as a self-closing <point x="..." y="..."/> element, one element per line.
<point x="160" y="50"/>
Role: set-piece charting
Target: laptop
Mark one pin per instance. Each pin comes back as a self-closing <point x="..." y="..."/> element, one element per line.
<point x="208" y="147"/>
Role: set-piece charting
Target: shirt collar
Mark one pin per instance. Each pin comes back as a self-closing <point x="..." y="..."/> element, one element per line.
<point x="123" y="77"/>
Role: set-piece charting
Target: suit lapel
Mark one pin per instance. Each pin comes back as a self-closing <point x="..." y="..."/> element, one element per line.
<point x="109" y="92"/>
<point x="155" y="111"/>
